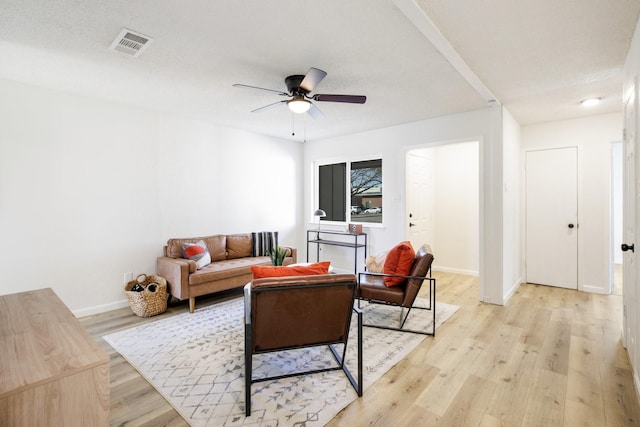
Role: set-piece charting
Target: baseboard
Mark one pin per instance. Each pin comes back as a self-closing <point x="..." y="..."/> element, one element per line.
<point x="455" y="270"/>
<point x="634" y="372"/>
<point x="100" y="308"/>
<point x="511" y="291"/>
<point x="594" y="290"/>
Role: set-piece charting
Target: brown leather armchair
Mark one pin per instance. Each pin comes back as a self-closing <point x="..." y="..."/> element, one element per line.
<point x="284" y="313"/>
<point x="371" y="287"/>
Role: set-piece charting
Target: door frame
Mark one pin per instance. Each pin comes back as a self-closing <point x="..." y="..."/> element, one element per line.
<point x="615" y="202"/>
<point x="482" y="221"/>
<point x="631" y="270"/>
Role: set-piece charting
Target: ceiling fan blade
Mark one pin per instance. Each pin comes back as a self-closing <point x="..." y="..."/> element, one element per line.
<point x="257" y="110"/>
<point x="312" y="78"/>
<point x="351" y="99"/>
<point x="315" y="113"/>
<point x="279" y="92"/>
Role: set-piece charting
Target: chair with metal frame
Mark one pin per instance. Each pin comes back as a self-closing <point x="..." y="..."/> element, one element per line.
<point x="371" y="287"/>
<point x="284" y="313"/>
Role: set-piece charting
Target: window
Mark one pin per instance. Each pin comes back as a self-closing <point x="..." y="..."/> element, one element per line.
<point x="332" y="190"/>
<point x="362" y="193"/>
<point x="366" y="191"/>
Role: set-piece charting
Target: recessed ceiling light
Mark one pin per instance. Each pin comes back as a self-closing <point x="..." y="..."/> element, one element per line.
<point x="590" y="102"/>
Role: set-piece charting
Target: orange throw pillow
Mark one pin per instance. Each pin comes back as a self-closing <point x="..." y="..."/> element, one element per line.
<point x="399" y="261"/>
<point x="262" y="271"/>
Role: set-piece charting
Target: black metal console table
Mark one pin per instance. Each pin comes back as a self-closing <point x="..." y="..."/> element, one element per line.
<point x="338" y="238"/>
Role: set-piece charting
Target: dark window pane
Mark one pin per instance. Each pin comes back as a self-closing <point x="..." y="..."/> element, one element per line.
<point x="332" y="191"/>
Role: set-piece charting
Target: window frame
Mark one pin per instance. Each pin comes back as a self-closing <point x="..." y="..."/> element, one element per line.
<point x="349" y="218"/>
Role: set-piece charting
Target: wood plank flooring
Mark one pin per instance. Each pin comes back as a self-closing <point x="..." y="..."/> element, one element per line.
<point x="550" y="357"/>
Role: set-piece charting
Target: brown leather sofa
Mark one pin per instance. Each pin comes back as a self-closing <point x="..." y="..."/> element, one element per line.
<point x="231" y="262"/>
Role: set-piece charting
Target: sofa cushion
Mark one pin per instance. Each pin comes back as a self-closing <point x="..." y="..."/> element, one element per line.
<point x="217" y="246"/>
<point x="226" y="269"/>
<point x="174" y="246"/>
<point x="399" y="261"/>
<point x="197" y="252"/>
<point x="239" y="245"/>
<point x="260" y="272"/>
<point x="373" y="287"/>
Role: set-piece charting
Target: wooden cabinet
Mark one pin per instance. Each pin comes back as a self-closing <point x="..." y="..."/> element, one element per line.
<point x="52" y="372"/>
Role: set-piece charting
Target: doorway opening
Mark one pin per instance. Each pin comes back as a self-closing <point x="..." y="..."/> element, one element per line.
<point x="443" y="204"/>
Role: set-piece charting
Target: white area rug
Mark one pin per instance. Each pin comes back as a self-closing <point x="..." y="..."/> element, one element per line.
<point x="196" y="361"/>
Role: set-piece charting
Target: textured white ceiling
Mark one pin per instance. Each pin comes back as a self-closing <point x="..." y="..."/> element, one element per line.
<point x="539" y="58"/>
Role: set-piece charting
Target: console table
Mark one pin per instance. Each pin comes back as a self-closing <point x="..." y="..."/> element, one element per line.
<point x="52" y="372"/>
<point x="355" y="241"/>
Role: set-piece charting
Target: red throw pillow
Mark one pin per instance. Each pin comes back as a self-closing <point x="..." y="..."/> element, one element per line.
<point x="262" y="271"/>
<point x="399" y="261"/>
<point x="197" y="252"/>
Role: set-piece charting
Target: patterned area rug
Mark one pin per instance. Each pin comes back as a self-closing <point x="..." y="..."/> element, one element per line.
<point x="196" y="361"/>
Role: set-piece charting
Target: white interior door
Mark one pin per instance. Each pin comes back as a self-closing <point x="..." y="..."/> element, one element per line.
<point x="552" y="217"/>
<point x="629" y="224"/>
<point x="419" y="200"/>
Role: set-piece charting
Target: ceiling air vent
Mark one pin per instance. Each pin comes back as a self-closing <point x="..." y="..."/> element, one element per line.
<point x="130" y="43"/>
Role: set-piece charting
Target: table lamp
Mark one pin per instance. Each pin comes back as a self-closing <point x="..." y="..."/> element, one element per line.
<point x="320" y="214"/>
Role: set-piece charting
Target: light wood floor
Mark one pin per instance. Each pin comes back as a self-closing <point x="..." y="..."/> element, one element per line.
<point x="551" y="357"/>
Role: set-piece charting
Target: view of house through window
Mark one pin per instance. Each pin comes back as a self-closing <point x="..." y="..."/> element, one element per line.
<point x="364" y="190"/>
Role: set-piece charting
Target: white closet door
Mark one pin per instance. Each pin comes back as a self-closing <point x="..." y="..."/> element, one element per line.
<point x="552" y="217"/>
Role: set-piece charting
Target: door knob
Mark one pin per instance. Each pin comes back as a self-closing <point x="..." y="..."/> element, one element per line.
<point x="411" y="224"/>
<point x="626" y="247"/>
<point x="571" y="225"/>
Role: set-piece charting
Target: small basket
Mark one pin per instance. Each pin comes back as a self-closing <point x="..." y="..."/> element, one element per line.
<point x="147" y="303"/>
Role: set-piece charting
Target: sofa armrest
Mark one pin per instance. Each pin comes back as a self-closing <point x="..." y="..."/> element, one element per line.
<point x="176" y="272"/>
<point x="294" y="253"/>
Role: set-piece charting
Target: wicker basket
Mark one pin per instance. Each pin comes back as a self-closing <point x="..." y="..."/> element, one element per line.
<point x="147" y="303"/>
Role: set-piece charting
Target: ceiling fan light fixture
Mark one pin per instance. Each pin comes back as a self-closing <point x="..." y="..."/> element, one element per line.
<point x="590" y="102"/>
<point x="299" y="105"/>
<point x="299" y="96"/>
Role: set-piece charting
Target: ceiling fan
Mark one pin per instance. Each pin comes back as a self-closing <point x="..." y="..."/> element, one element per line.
<point x="299" y="89"/>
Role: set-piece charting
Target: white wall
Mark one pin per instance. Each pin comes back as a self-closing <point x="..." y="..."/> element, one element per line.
<point x="513" y="190"/>
<point x="593" y="136"/>
<point x="392" y="144"/>
<point x="90" y="190"/>
<point x="456" y="236"/>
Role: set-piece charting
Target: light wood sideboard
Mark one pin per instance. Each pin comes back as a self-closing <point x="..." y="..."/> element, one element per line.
<point x="52" y="372"/>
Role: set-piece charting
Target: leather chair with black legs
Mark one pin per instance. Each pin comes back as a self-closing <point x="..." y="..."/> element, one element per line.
<point x="285" y="313"/>
<point x="372" y="288"/>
